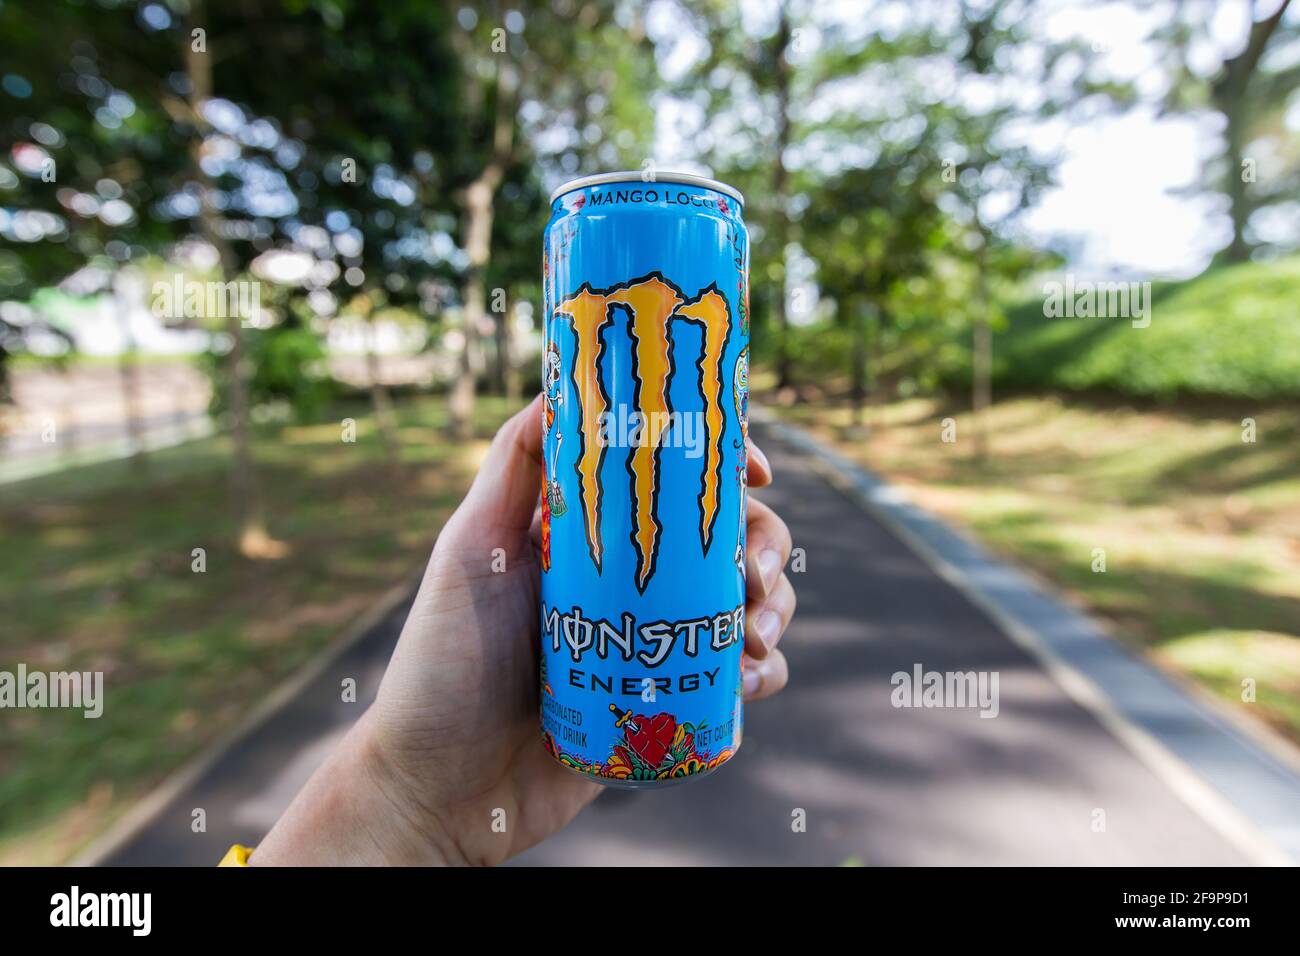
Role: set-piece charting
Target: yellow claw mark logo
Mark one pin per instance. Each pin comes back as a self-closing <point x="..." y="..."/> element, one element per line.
<point x="710" y="310"/>
<point x="590" y="313"/>
<point x="651" y="302"/>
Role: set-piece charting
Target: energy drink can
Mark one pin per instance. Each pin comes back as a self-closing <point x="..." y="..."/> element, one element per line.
<point x="646" y="382"/>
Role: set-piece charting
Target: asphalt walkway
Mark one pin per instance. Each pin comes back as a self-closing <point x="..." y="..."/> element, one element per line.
<point x="1043" y="782"/>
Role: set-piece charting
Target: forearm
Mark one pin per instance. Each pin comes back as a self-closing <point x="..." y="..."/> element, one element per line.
<point x="352" y="812"/>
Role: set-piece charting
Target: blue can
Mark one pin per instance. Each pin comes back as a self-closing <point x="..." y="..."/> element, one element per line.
<point x="646" y="382"/>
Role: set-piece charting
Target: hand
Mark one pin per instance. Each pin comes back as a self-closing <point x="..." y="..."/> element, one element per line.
<point x="452" y="740"/>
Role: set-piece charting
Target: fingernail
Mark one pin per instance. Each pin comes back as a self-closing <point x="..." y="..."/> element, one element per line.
<point x="753" y="679"/>
<point x="762" y="459"/>
<point x="768" y="628"/>
<point x="769" y="566"/>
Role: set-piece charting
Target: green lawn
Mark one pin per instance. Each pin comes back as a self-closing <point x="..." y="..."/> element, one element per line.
<point x="1232" y="332"/>
<point x="95" y="574"/>
<point x="1199" y="529"/>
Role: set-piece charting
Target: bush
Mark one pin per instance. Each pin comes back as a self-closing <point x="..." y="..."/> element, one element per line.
<point x="1232" y="332"/>
<point x="288" y="365"/>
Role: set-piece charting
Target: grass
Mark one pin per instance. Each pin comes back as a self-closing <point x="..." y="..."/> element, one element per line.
<point x="1199" y="529"/>
<point x="96" y="574"/>
<point x="1232" y="332"/>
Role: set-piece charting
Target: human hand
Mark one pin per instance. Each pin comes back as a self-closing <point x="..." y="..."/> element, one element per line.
<point x="453" y="741"/>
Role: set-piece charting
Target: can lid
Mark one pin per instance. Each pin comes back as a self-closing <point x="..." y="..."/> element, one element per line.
<point x="689" y="179"/>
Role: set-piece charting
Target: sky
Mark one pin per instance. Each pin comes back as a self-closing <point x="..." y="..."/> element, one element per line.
<point x="1124" y="191"/>
<point x="1118" y="205"/>
<point x="1125" y="204"/>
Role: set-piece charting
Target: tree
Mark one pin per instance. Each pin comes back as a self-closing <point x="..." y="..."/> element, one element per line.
<point x="85" y="123"/>
<point x="252" y="536"/>
<point x="757" y="96"/>
<point x="552" y="68"/>
<point x="872" y="230"/>
<point x="372" y="138"/>
<point x="778" y="59"/>
<point x="745" y="93"/>
<point x="1250" y="93"/>
<point x="163" y="99"/>
<point x="997" y="174"/>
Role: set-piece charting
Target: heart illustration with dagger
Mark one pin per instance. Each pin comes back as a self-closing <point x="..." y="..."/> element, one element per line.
<point x="649" y="738"/>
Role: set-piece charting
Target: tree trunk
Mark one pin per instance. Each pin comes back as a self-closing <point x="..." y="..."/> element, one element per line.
<point x="876" y="384"/>
<point x="858" y="388"/>
<point x="477" y="230"/>
<point x="461" y="401"/>
<point x="253" y="540"/>
<point x="1238" y="204"/>
<point x="6" y="387"/>
<point x="129" y="378"/>
<point x="68" y="435"/>
<point x="981" y="353"/>
<point x="1229" y="97"/>
<point x="982" y="383"/>
<point x="380" y="400"/>
<point x="780" y="185"/>
<point x="511" y="384"/>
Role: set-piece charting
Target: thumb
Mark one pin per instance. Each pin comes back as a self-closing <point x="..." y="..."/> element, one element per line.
<point x="505" y="492"/>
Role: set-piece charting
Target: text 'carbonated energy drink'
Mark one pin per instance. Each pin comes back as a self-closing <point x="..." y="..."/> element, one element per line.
<point x="646" y="381"/>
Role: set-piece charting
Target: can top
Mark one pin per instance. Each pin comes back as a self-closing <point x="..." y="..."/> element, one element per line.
<point x="689" y="179"/>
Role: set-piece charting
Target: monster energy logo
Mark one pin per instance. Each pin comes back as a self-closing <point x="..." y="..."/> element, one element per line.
<point x="650" y="303"/>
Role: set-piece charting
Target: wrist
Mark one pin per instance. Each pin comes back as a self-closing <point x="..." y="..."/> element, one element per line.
<point x="357" y="810"/>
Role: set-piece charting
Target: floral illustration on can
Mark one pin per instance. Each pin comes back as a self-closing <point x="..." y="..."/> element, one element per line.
<point x="653" y="748"/>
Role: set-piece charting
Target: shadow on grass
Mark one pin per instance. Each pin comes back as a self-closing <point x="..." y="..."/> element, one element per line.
<point x="99" y="572"/>
<point x="1178" y="604"/>
<point x="1218" y="470"/>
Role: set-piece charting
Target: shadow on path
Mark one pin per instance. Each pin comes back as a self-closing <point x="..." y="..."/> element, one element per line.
<point x="876" y="784"/>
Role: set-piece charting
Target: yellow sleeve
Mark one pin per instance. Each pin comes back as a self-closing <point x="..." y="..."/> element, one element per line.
<point x="236" y="856"/>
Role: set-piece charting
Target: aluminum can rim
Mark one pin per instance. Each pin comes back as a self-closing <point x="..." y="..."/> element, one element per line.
<point x="631" y="176"/>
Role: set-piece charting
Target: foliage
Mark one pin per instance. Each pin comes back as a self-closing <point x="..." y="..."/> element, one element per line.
<point x="1233" y="332"/>
<point x="288" y="366"/>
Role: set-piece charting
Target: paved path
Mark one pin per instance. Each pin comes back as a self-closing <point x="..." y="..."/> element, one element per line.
<point x="876" y="784"/>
